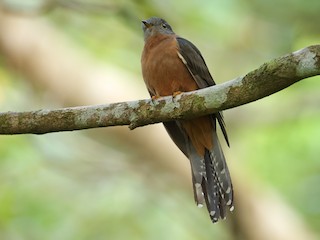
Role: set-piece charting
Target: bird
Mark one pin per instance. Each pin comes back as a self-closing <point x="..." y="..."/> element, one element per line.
<point x="172" y="65"/>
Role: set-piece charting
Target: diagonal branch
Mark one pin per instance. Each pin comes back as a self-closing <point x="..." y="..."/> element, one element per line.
<point x="269" y="78"/>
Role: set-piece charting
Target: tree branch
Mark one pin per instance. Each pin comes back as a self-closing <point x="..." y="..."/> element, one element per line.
<point x="269" y="78"/>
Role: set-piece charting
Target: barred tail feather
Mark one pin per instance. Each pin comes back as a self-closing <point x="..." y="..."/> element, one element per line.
<point x="210" y="186"/>
<point x="211" y="181"/>
<point x="217" y="185"/>
<point x="210" y="175"/>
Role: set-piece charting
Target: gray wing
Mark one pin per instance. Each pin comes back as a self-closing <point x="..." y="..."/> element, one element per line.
<point x="210" y="175"/>
<point x="216" y="185"/>
<point x="197" y="67"/>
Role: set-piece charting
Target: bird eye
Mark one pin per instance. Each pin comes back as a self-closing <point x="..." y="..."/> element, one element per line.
<point x="164" y="26"/>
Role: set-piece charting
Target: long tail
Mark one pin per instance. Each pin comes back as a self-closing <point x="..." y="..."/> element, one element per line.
<point x="210" y="175"/>
<point x="212" y="182"/>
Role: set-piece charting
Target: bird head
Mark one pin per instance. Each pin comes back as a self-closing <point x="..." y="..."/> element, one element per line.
<point x="154" y="26"/>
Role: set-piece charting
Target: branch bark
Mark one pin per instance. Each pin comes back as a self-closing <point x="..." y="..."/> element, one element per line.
<point x="269" y="78"/>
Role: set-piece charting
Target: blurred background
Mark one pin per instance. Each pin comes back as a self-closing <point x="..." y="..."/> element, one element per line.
<point x="115" y="183"/>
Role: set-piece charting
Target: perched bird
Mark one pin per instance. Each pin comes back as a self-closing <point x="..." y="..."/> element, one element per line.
<point x="170" y="65"/>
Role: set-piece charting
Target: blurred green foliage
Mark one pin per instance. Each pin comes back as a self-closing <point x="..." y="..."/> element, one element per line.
<point x="69" y="186"/>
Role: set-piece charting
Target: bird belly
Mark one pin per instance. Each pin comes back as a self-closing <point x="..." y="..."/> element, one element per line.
<point x="163" y="71"/>
<point x="165" y="74"/>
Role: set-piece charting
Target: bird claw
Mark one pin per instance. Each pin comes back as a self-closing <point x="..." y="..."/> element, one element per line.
<point x="153" y="98"/>
<point x="175" y="94"/>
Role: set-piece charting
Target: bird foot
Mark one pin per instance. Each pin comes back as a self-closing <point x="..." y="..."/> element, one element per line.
<point x="154" y="97"/>
<point x="174" y="95"/>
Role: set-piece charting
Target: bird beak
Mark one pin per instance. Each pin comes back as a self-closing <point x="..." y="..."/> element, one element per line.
<point x="148" y="25"/>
